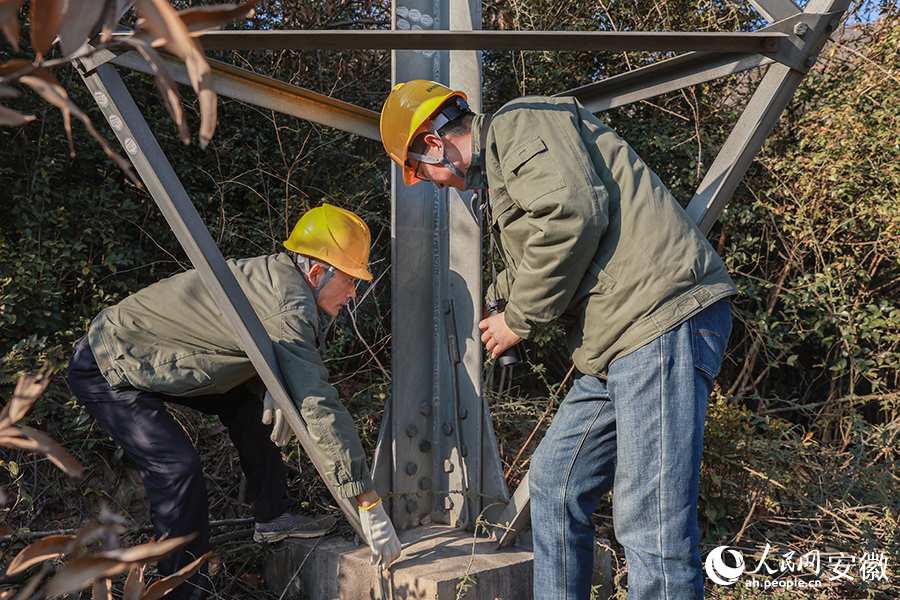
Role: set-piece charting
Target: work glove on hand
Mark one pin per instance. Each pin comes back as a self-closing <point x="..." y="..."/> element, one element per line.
<point x="380" y="534"/>
<point x="281" y="431"/>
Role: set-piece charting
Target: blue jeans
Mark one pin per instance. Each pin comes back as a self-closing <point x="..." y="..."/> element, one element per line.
<point x="641" y="433"/>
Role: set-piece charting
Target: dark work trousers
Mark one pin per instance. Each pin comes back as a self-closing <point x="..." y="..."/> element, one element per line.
<point x="168" y="464"/>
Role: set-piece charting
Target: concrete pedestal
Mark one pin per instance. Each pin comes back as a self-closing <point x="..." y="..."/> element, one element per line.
<point x="337" y="569"/>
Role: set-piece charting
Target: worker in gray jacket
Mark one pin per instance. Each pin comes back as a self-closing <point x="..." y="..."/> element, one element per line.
<point x="592" y="240"/>
<point x="169" y="343"/>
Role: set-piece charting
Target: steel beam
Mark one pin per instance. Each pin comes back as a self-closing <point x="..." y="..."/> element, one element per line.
<point x="699" y="67"/>
<point x="151" y="164"/>
<point x="440" y="456"/>
<point x="266" y="92"/>
<point x="662" y="77"/>
<point x="759" y="117"/>
<point x="433" y="40"/>
<point x="775" y="10"/>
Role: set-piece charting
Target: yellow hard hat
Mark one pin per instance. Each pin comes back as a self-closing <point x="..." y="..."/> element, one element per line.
<point x="335" y="236"/>
<point x="407" y="108"/>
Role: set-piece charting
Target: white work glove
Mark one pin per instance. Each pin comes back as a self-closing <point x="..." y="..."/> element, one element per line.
<point x="281" y="431"/>
<point x="380" y="534"/>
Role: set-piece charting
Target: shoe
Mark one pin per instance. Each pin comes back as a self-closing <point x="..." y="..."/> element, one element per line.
<point x="288" y="525"/>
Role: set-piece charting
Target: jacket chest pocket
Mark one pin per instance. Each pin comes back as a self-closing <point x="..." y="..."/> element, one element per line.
<point x="531" y="171"/>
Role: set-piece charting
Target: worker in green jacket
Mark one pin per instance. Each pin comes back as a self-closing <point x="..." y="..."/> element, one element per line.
<point x="591" y="240"/>
<point x="169" y="343"/>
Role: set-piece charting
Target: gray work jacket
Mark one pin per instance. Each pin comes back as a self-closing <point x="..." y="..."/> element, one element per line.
<point x="171" y="338"/>
<point x="591" y="237"/>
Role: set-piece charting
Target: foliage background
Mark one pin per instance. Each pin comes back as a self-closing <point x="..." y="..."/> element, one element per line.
<point x="801" y="442"/>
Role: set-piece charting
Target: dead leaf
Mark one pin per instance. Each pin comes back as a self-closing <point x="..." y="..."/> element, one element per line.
<point x="206" y="94"/>
<point x="8" y="92"/>
<point x="28" y="589"/>
<point x="134" y="584"/>
<point x="9" y="21"/>
<point x="12" y="118"/>
<point x="56" y="95"/>
<point x="41" y="550"/>
<point x="46" y="19"/>
<point x="80" y="21"/>
<point x="149" y="552"/>
<point x="95" y="531"/>
<point x="165" y="83"/>
<point x="216" y="16"/>
<point x="117" y="9"/>
<point x="160" y="588"/>
<point x="14" y="66"/>
<point x="80" y="571"/>
<point x="102" y="589"/>
<point x="56" y="453"/>
<point x="160" y="19"/>
<point x="29" y="389"/>
<point x="10" y="438"/>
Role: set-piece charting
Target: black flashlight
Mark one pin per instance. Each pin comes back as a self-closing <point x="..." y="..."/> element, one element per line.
<point x="510" y="356"/>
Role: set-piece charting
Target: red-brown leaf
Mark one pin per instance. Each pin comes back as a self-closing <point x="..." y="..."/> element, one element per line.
<point x="162" y="587"/>
<point x="80" y="20"/>
<point x="29" y="388"/>
<point x="134" y="585"/>
<point x="9" y="21"/>
<point x="41" y="550"/>
<point x="56" y="453"/>
<point x="46" y="19"/>
<point x="102" y="589"/>
<point x="80" y="571"/>
<point x="209" y="18"/>
<point x="149" y="552"/>
<point x="57" y="96"/>
<point x="11" y="118"/>
<point x="159" y="18"/>
<point x="165" y="83"/>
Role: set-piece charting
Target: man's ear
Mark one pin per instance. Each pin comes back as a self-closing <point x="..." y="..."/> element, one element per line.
<point x="316" y="272"/>
<point x="433" y="140"/>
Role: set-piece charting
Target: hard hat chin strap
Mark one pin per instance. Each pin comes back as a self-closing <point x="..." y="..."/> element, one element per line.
<point x="305" y="264"/>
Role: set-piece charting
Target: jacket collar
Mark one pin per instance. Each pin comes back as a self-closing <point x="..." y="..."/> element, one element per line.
<point x="476" y="178"/>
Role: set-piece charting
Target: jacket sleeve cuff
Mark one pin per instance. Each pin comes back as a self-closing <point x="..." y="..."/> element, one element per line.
<point x="517" y="324"/>
<point x="355" y="488"/>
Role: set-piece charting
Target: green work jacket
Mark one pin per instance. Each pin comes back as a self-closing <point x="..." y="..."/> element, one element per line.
<point x="171" y="338"/>
<point x="591" y="237"/>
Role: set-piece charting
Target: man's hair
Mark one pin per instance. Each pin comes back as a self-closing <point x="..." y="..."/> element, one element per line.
<point x="461" y="125"/>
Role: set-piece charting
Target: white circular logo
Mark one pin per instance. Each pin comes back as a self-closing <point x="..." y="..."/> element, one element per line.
<point x="718" y="571"/>
<point x="402" y="24"/>
<point x="116" y="122"/>
<point x="402" y="11"/>
<point x="414" y="14"/>
<point x="427" y="20"/>
<point x="101" y="99"/>
<point x="130" y="146"/>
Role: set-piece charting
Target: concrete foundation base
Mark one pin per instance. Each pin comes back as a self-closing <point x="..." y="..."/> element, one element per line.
<point x="337" y="569"/>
